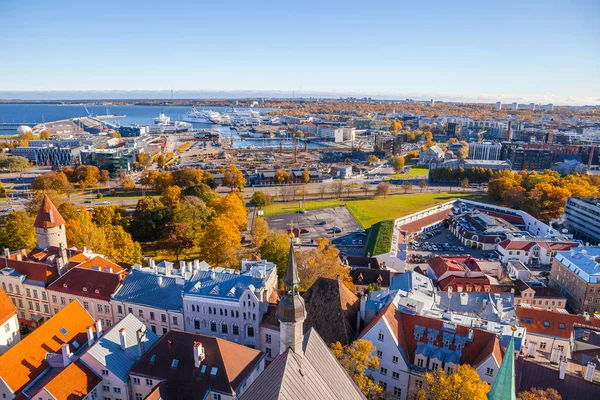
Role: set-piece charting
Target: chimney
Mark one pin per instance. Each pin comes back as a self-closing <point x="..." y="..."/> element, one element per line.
<point x="586" y="315"/>
<point x="160" y="280"/>
<point x="449" y="292"/>
<point x="182" y="266"/>
<point x="140" y="341"/>
<point x="151" y="263"/>
<point x="90" y="335"/>
<point x="6" y="252"/>
<point x="198" y="354"/>
<point x="98" y="328"/>
<point x="562" y="370"/>
<point x="19" y="257"/>
<point x="123" y="339"/>
<point x="66" y="354"/>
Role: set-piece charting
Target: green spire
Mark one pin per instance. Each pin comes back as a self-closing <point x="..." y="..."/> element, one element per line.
<point x="504" y="385"/>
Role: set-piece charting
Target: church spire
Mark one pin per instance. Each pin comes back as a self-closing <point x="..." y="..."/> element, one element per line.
<point x="291" y="311"/>
<point x="504" y="385"/>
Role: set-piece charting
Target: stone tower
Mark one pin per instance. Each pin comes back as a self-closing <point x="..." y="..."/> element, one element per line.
<point x="291" y="312"/>
<point x="49" y="226"/>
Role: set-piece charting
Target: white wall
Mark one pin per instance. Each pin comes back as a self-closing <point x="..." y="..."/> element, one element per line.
<point x="9" y="333"/>
<point x="156" y="323"/>
<point x="106" y="315"/>
<point x="110" y="380"/>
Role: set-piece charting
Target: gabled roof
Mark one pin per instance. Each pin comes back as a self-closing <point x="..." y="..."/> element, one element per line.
<point x="233" y="363"/>
<point x="552" y="323"/>
<point x="107" y="350"/>
<point x="34" y="271"/>
<point x="420" y="223"/>
<point x="7" y="308"/>
<point x="48" y="215"/>
<point x="101" y="263"/>
<point x="331" y="309"/>
<point x="87" y="283"/>
<point x="366" y="276"/>
<point x="25" y="361"/>
<point x="74" y="382"/>
<point x="440" y="265"/>
<point x="467" y="284"/>
<point x="317" y="375"/>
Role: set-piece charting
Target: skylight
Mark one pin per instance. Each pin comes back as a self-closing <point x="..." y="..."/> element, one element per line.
<point x="203" y="369"/>
<point x="213" y="371"/>
<point x="175" y="363"/>
<point x="153" y="359"/>
<point x="64" y="331"/>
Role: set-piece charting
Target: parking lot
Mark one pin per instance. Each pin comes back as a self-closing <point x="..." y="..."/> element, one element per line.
<point x="314" y="224"/>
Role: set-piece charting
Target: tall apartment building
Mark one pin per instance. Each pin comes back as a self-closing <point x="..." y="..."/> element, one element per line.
<point x="485" y="151"/>
<point x="576" y="275"/>
<point x="582" y="217"/>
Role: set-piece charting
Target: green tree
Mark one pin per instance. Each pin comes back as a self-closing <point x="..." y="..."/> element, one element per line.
<point x="259" y="199"/>
<point x="149" y="218"/>
<point x="275" y="248"/>
<point x="17" y="231"/>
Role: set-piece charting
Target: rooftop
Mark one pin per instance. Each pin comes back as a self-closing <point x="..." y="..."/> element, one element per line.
<point x="583" y="261"/>
<point x="48" y="215"/>
<point x="7" y="308"/>
<point x="149" y="289"/>
<point x="87" y="283"/>
<point x="73" y="382"/>
<point x="553" y="323"/>
<point x="225" y="366"/>
<point x="33" y="271"/>
<point x="25" y="361"/>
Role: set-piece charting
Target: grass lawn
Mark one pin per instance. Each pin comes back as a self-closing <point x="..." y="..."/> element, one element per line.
<point x="380" y="238"/>
<point x="375" y="209"/>
<point x="414" y="171"/>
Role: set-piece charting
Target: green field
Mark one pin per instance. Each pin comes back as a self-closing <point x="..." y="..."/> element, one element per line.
<point x="375" y="209"/>
<point x="380" y="238"/>
<point x="414" y="171"/>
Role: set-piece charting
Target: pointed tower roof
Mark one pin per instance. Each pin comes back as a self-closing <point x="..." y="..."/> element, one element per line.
<point x="504" y="385"/>
<point x="291" y="273"/>
<point x="48" y="215"/>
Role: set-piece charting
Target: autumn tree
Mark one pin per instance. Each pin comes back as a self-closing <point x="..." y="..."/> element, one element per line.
<point x="188" y="177"/>
<point x="45" y="134"/>
<point x="372" y="159"/>
<point x="177" y="239"/>
<point x="463" y="152"/>
<point x="357" y="359"/>
<point x="233" y="207"/>
<point x="406" y="186"/>
<point x="423" y="184"/>
<point x="144" y="160"/>
<point x="260" y="230"/>
<point x="464" y="383"/>
<point x="82" y="232"/>
<point x="234" y="178"/>
<point x="464" y="183"/>
<point x="275" y="248"/>
<point x="259" y="199"/>
<point x="396" y="126"/>
<point x="17" y="231"/>
<point x="322" y="190"/>
<point x="539" y="394"/>
<point x="322" y="261"/>
<point x="120" y="247"/>
<point x="281" y="176"/>
<point x="305" y="176"/>
<point x="126" y="183"/>
<point x="398" y="163"/>
<point x="110" y="215"/>
<point x="171" y="196"/>
<point x="220" y="242"/>
<point x="383" y="189"/>
<point x="161" y="161"/>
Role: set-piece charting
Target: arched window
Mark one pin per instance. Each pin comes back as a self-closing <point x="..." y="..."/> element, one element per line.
<point x="10" y="287"/>
<point x="196" y="323"/>
<point x="213" y="326"/>
<point x="225" y="312"/>
<point x="244" y="315"/>
<point x="254" y="316"/>
<point x="209" y="310"/>
<point x="224" y="328"/>
<point x="235" y="329"/>
<point x="250" y="331"/>
<point x="220" y="311"/>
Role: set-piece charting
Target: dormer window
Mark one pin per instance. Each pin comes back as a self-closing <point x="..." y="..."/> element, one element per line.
<point x="459" y="346"/>
<point x="417" y="336"/>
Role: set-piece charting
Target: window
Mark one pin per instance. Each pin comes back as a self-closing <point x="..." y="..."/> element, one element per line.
<point x="196" y="324"/>
<point x="138" y="396"/>
<point x="268" y="351"/>
<point x="163" y="318"/>
<point x="141" y="313"/>
<point x="395" y="359"/>
<point x="383" y="385"/>
<point x="26" y="291"/>
<point x="164" y="330"/>
<point x="380" y="336"/>
<point x="86" y="305"/>
<point x="46" y="309"/>
<point x="37" y="306"/>
<point x="224" y="328"/>
<point x="106" y="388"/>
<point x="250" y="331"/>
<point x="383" y="371"/>
<point x="151" y="316"/>
<point x="542" y="345"/>
<point x="489" y="371"/>
<point x="54" y="300"/>
<point x="420" y="363"/>
<point x="116" y="390"/>
<point x="268" y="338"/>
<point x="236" y="330"/>
<point x="175" y="321"/>
<point x="379" y="353"/>
<point x="120" y="309"/>
<point x="397" y="391"/>
<point x="213" y="326"/>
<point x="419" y="384"/>
<point x="35" y="295"/>
<point x="216" y="396"/>
<point x="136" y="381"/>
<point x="546" y="324"/>
<point x="30" y="305"/>
<point x="62" y="301"/>
<point x="7" y="327"/>
<point x="106" y="310"/>
<point x="148" y="382"/>
<point x="434" y="366"/>
<point x="105" y="372"/>
<point x="153" y="328"/>
<point x="99" y="307"/>
<point x="395" y="375"/>
<point x="130" y="310"/>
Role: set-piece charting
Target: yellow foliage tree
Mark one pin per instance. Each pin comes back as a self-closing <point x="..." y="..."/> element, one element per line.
<point x="220" y="242"/>
<point x="322" y="261"/>
<point x="171" y="197"/>
<point x="233" y="207"/>
<point x="356" y="359"/>
<point x="464" y="383"/>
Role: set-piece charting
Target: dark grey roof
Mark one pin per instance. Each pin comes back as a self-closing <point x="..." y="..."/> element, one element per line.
<point x="291" y="273"/>
<point x="316" y="376"/>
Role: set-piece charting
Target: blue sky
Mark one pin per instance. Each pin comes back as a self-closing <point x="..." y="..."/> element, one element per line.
<point x="524" y="50"/>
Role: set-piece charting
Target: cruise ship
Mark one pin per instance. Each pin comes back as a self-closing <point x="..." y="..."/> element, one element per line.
<point x="162" y="119"/>
<point x="203" y="116"/>
<point x="243" y="118"/>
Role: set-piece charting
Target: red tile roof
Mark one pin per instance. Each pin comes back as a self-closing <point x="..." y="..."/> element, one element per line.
<point x="74" y="382"/>
<point x="35" y="271"/>
<point x="25" y="361"/>
<point x="48" y="215"/>
<point x="403" y="324"/>
<point x="87" y="283"/>
<point x="7" y="308"/>
<point x="456" y="281"/>
<point x="101" y="263"/>
<point x="554" y="320"/>
<point x="441" y="265"/>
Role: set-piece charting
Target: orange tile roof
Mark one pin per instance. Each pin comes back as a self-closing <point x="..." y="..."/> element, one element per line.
<point x="48" y="215"/>
<point x="25" y="361"/>
<point x="553" y="321"/>
<point x="102" y="263"/>
<point x="73" y="382"/>
<point x="35" y="271"/>
<point x="7" y="308"/>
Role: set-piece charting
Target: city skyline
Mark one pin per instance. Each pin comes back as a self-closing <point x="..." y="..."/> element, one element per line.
<point x="468" y="52"/>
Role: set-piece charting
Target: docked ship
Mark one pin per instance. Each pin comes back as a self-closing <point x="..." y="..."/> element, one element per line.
<point x="203" y="117"/>
<point x="242" y="118"/>
<point x="162" y="119"/>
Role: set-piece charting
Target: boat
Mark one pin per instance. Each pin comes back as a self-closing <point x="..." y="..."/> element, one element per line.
<point x="162" y="119"/>
<point x="243" y="118"/>
<point x="203" y="116"/>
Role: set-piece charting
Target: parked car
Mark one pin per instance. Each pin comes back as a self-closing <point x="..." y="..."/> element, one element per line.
<point x="322" y="223"/>
<point x="304" y="230"/>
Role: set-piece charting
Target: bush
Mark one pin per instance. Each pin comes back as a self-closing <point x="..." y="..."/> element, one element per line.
<point x="99" y="196"/>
